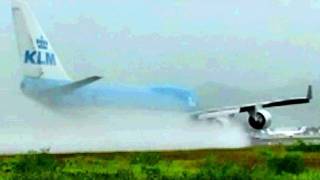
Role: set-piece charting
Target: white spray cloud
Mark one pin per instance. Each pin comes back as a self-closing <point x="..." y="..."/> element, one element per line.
<point x="27" y="125"/>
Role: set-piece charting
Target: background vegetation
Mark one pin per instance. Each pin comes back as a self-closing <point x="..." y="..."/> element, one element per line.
<point x="299" y="161"/>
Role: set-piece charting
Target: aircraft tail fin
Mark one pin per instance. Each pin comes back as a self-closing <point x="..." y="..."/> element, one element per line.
<point x="38" y="58"/>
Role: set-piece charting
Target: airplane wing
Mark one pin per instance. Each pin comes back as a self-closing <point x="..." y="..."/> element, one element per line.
<point x="251" y="108"/>
<point x="69" y="88"/>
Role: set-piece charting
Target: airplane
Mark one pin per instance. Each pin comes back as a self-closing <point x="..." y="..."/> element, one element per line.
<point x="284" y="135"/>
<point x="46" y="81"/>
<point x="286" y="132"/>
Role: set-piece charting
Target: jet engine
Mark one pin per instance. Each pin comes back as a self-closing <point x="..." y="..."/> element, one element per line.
<point x="260" y="120"/>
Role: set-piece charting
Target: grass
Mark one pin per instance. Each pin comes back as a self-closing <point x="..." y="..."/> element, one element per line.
<point x="263" y="162"/>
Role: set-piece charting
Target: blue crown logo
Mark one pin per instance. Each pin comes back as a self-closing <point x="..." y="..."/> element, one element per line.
<point x="42" y="43"/>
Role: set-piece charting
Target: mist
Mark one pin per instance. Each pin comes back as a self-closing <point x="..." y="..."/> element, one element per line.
<point x="28" y="125"/>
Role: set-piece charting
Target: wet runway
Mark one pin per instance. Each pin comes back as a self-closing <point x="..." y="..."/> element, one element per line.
<point x="285" y="141"/>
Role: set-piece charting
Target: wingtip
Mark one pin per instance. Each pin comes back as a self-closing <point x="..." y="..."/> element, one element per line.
<point x="309" y="94"/>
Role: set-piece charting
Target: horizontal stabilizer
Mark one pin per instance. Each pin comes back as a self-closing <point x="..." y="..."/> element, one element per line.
<point x="69" y="88"/>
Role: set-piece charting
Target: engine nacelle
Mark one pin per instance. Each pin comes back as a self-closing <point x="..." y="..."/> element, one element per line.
<point x="261" y="120"/>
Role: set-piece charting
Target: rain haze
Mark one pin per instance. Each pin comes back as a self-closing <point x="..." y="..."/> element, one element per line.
<point x="229" y="52"/>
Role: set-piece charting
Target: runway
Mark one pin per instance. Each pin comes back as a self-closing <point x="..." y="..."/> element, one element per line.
<point x="285" y="141"/>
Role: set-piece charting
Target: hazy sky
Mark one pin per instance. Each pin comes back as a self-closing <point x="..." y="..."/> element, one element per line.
<point x="247" y="44"/>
